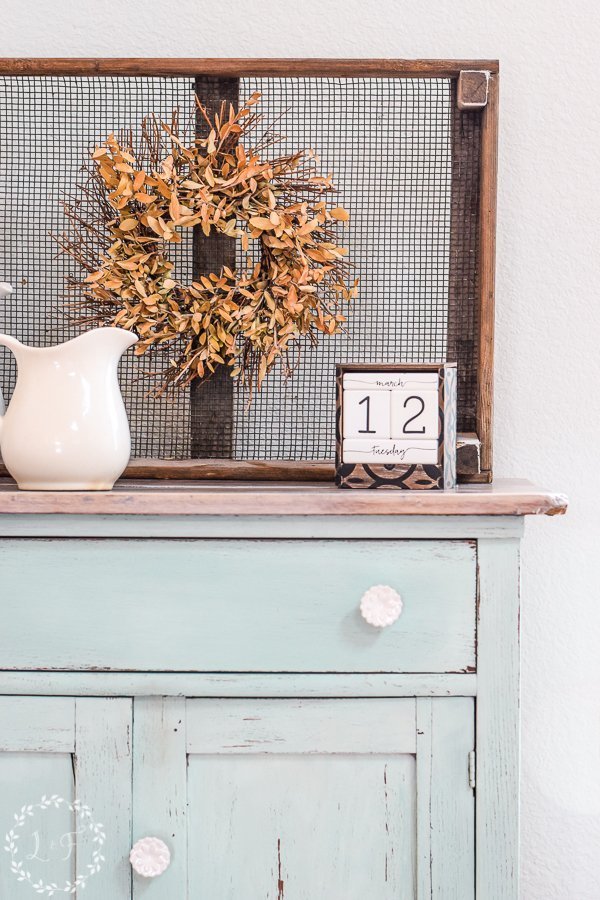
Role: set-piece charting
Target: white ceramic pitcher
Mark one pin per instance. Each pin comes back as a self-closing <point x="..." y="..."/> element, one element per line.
<point x="66" y="428"/>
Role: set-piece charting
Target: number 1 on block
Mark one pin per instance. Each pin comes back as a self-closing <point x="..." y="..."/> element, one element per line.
<point x="367" y="414"/>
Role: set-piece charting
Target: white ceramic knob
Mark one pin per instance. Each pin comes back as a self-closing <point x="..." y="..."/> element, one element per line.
<point x="381" y="605"/>
<point x="150" y="857"/>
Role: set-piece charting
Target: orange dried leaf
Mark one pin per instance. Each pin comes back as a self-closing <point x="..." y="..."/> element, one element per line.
<point x="339" y="213"/>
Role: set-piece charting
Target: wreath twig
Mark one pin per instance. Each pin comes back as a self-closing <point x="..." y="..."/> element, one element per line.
<point x="144" y="198"/>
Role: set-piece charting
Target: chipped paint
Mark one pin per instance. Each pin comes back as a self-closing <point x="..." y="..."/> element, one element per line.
<point x="280" y="884"/>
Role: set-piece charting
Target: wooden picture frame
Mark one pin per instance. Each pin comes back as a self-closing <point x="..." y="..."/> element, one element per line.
<point x="440" y="475"/>
<point x="475" y="91"/>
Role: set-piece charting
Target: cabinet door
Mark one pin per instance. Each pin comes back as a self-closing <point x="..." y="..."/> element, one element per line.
<point x="307" y="799"/>
<point x="65" y="797"/>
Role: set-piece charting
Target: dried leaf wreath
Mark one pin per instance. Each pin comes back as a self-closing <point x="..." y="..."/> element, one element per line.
<point x="247" y="319"/>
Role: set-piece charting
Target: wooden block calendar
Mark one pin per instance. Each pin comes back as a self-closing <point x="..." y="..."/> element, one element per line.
<point x="396" y="426"/>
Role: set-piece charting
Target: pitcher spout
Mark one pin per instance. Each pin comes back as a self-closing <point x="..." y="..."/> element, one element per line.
<point x="122" y="339"/>
<point x="15" y="346"/>
<point x="113" y="341"/>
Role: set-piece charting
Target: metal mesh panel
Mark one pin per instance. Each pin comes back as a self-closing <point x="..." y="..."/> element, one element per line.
<point x="405" y="167"/>
<point x="49" y="126"/>
<point x="388" y="143"/>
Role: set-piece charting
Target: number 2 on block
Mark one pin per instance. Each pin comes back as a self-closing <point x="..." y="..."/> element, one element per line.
<point x="415" y="415"/>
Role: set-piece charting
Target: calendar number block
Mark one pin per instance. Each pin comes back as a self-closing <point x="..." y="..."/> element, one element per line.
<point x="415" y="414"/>
<point x="367" y="414"/>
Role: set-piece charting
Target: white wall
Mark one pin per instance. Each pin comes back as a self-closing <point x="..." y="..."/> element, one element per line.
<point x="548" y="322"/>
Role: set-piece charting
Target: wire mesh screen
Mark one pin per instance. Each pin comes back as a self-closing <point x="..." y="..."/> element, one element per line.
<point x="50" y="124"/>
<point x="405" y="167"/>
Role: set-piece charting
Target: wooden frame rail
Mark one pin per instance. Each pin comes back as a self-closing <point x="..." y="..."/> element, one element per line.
<point x="239" y="68"/>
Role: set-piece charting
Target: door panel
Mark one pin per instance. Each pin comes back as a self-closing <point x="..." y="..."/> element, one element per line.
<point x="307" y="799"/>
<point x="302" y="826"/>
<point x="65" y="781"/>
<point x="24" y="779"/>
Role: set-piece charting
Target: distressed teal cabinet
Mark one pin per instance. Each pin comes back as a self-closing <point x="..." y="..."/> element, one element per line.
<point x="191" y="664"/>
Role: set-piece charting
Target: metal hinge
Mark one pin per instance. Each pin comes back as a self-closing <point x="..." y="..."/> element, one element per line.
<point x="472" y="769"/>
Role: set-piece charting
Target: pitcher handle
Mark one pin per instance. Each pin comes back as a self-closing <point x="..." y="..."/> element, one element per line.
<point x="2" y="411"/>
<point x="6" y="289"/>
<point x="14" y="346"/>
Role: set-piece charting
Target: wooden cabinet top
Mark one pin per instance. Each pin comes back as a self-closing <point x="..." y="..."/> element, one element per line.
<point x="506" y="497"/>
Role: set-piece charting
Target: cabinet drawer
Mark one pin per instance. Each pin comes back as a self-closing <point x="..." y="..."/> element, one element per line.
<point x="235" y="606"/>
